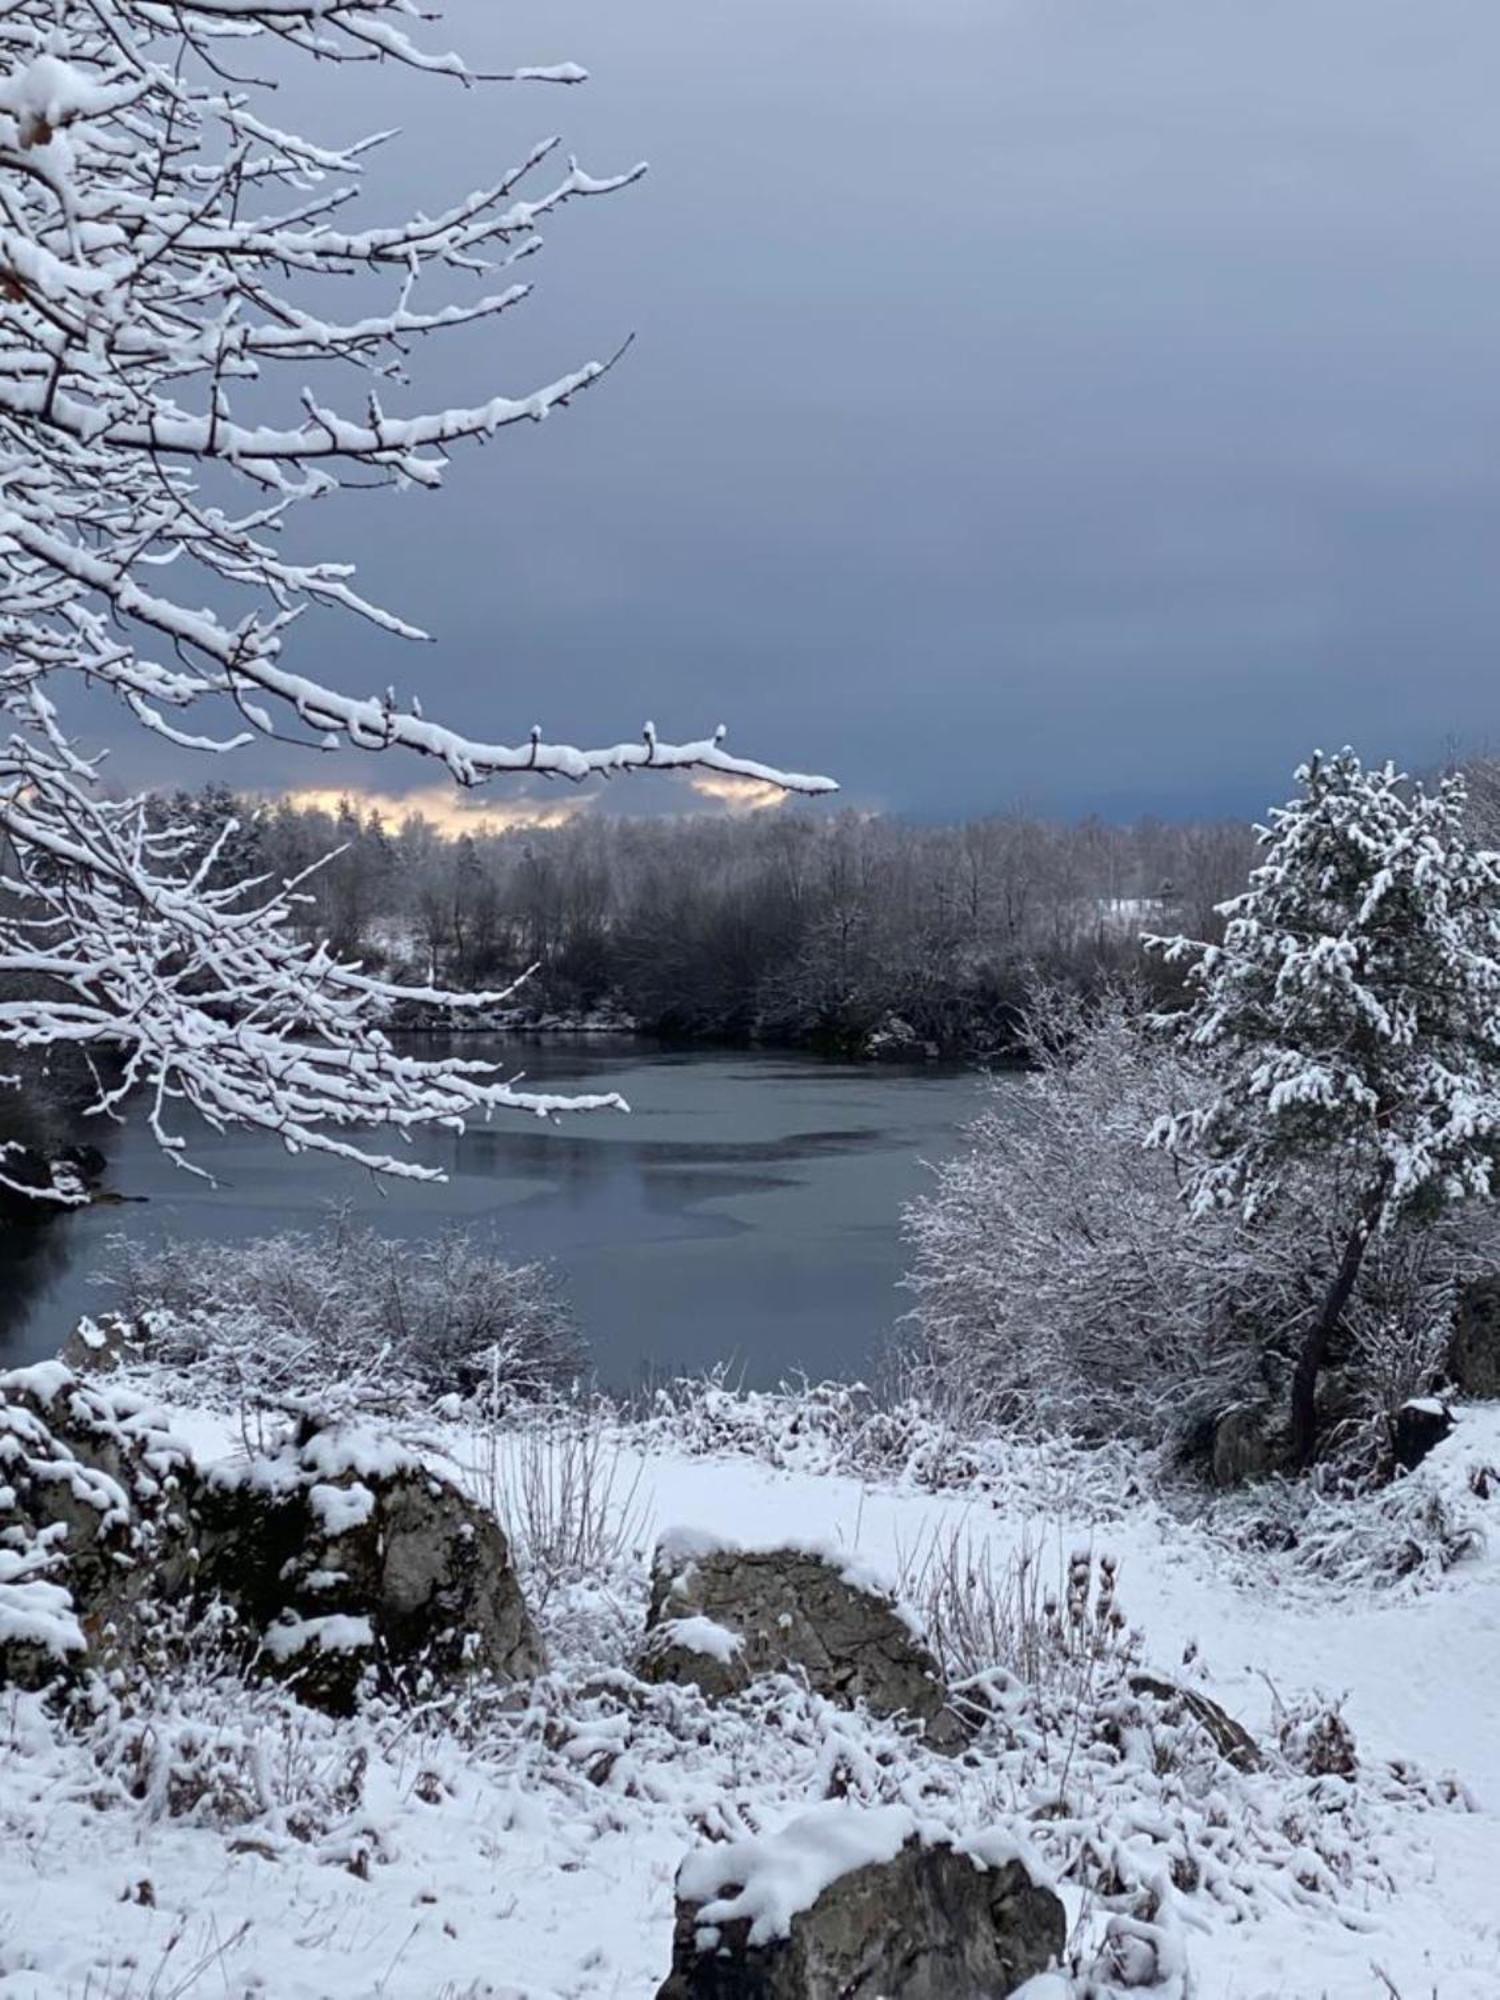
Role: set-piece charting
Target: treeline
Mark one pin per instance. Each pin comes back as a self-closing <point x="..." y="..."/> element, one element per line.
<point x="792" y="926"/>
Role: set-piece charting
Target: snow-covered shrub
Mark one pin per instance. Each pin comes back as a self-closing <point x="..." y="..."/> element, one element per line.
<point x="193" y="1742"/>
<point x="1351" y="1537"/>
<point x="350" y="1315"/>
<point x="1315" y="1737"/>
<point x="567" y="1491"/>
<point x="1057" y="1285"/>
<point x="1027" y="1617"/>
<point x="812" y="1426"/>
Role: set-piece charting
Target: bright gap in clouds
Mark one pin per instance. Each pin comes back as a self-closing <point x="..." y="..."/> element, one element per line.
<point x="452" y="812"/>
<point x="737" y="795"/>
<point x="447" y="810"/>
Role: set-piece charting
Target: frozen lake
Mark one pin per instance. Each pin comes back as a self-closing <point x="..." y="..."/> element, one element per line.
<point x="748" y="1209"/>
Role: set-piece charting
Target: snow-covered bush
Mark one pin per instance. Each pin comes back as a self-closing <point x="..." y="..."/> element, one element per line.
<point x="1056" y="1283"/>
<point x="566" y="1487"/>
<point x="908" y="1438"/>
<point x="1343" y="1537"/>
<point x="347" y="1314"/>
<point x="1044" y="1620"/>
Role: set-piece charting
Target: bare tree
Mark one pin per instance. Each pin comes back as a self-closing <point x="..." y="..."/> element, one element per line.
<point x="163" y="247"/>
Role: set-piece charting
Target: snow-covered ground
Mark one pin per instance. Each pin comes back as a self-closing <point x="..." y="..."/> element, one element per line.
<point x="470" y="1852"/>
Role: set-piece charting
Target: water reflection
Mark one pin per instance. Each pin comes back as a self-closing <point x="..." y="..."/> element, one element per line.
<point x="747" y="1210"/>
<point x="33" y="1257"/>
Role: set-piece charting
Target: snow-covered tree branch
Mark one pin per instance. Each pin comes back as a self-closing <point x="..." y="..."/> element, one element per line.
<point x="164" y="248"/>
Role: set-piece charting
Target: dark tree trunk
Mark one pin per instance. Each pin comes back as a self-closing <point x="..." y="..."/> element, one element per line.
<point x="1320" y="1335"/>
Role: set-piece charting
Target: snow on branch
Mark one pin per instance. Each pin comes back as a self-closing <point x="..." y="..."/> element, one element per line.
<point x="163" y="250"/>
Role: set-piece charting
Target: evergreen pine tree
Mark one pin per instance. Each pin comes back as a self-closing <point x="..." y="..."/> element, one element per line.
<point x="1352" y="1014"/>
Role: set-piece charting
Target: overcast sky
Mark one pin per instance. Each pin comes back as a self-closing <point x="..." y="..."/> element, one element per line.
<point x="1088" y="403"/>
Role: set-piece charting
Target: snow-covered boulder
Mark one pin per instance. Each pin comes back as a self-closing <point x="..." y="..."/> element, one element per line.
<point x="100" y="1346"/>
<point x="351" y="1558"/>
<point x="857" y="1903"/>
<point x="722" y="1615"/>
<point x="896" y="1040"/>
<point x="95" y="1523"/>
<point x="1418" y="1428"/>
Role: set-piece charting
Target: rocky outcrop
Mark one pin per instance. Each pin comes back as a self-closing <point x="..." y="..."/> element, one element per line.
<point x="340" y="1555"/>
<point x="353" y="1562"/>
<point x="1474" y="1354"/>
<point x="95" y="1521"/>
<point x="896" y="1040"/>
<point x="861" y="1903"/>
<point x="722" y="1616"/>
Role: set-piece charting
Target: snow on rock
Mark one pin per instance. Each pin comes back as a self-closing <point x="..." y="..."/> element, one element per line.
<point x="702" y="1635"/>
<point x="94" y="1493"/>
<point x="801" y="1605"/>
<point x="38" y="1622"/>
<point x="340" y="1545"/>
<point x="680" y="1546"/>
<point x="765" y="1882"/>
<point x="337" y="1509"/>
<point x="860" y="1901"/>
<point x="100" y="1346"/>
<point x="336" y="1634"/>
<point x="1420" y="1425"/>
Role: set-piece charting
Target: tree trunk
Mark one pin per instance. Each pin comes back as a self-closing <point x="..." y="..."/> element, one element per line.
<point x="1320" y="1335"/>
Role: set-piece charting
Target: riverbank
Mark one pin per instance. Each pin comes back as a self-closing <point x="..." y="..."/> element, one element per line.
<point x="890" y="1039"/>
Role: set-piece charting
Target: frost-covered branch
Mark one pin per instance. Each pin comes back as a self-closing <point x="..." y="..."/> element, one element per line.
<point x="164" y="249"/>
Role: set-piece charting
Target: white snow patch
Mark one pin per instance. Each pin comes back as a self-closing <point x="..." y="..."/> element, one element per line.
<point x="772" y="1878"/>
<point x="338" y="1509"/>
<point x="701" y="1635"/>
<point x="335" y="1634"/>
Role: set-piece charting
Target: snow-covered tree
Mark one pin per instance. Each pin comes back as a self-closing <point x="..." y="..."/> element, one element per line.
<point x="1351" y="1017"/>
<point x="166" y="251"/>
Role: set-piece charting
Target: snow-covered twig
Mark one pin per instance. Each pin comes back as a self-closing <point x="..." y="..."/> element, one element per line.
<point x="162" y="245"/>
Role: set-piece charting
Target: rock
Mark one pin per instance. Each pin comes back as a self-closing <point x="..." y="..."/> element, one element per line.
<point x="722" y="1616"/>
<point x="860" y="1903"/>
<point x="95" y="1522"/>
<point x="100" y="1346"/>
<point x="88" y="1162"/>
<point x="1417" y="1427"/>
<point x="896" y="1040"/>
<point x="1246" y="1445"/>
<point x="1231" y="1739"/>
<point x="695" y="1652"/>
<point x="1474" y="1353"/>
<point x="348" y="1558"/>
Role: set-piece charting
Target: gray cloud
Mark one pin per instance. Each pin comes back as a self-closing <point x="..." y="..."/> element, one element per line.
<point x="1032" y="398"/>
